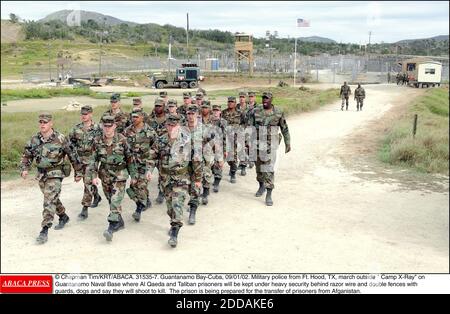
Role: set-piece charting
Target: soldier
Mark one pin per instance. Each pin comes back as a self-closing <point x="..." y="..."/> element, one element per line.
<point x="164" y="96"/>
<point x="82" y="138"/>
<point x="157" y="122"/>
<point x="344" y="94"/>
<point x="360" y="94"/>
<point x="242" y="105"/>
<point x="269" y="117"/>
<point x="198" y="100"/>
<point x="201" y="90"/>
<point x="121" y="118"/>
<point x="208" y="162"/>
<point x="49" y="148"/>
<point x="219" y="151"/>
<point x="405" y="79"/>
<point x="137" y="103"/>
<point x="389" y="77"/>
<point x="112" y="161"/>
<point x="140" y="139"/>
<point x="251" y="105"/>
<point x="234" y="120"/>
<point x="187" y="100"/>
<point x="398" y="78"/>
<point x="170" y="149"/>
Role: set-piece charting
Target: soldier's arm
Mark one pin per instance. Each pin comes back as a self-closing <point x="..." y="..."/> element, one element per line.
<point x="198" y="170"/>
<point x="92" y="168"/>
<point x="27" y="157"/>
<point x="129" y="158"/>
<point x="285" y="130"/>
<point x="153" y="156"/>
<point x="73" y="157"/>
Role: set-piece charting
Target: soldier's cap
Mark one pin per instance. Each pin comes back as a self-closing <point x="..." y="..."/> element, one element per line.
<point x="172" y="119"/>
<point x="206" y="104"/>
<point x="192" y="108"/>
<point x="163" y="94"/>
<point x="187" y="95"/>
<point x="251" y="93"/>
<point x="242" y="94"/>
<point x="199" y="95"/>
<point x="172" y="103"/>
<point x="108" y="120"/>
<point x="159" y="101"/>
<point x="45" y="117"/>
<point x="86" y="109"/>
<point x="216" y="107"/>
<point x="137" y="112"/>
<point x="231" y="98"/>
<point x="267" y="94"/>
<point x="137" y="101"/>
<point x="115" y="97"/>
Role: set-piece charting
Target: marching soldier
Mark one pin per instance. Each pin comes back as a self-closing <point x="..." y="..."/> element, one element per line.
<point x="121" y="118"/>
<point x="220" y="153"/>
<point x="140" y="139"/>
<point x="172" y="108"/>
<point x="49" y="148"/>
<point x="199" y="99"/>
<point x="187" y="100"/>
<point x="270" y="117"/>
<point x="251" y="105"/>
<point x="208" y="162"/>
<point x="112" y="161"/>
<point x="137" y="103"/>
<point x="360" y="94"/>
<point x="164" y="96"/>
<point x="345" y="94"/>
<point x="82" y="138"/>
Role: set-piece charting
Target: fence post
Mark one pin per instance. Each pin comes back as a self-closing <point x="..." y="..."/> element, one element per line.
<point x="415" y="126"/>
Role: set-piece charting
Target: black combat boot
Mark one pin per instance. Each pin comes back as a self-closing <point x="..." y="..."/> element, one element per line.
<point x="173" y="233"/>
<point x="192" y="212"/>
<point x="108" y="233"/>
<point x="160" y="198"/>
<point x="62" y="221"/>
<point x="261" y="189"/>
<point x="119" y="224"/>
<point x="43" y="236"/>
<point x="243" y="171"/>
<point x="233" y="177"/>
<point x="137" y="214"/>
<point x="269" y="201"/>
<point x="97" y="199"/>
<point x="84" y="213"/>
<point x="205" y="196"/>
<point x="216" y="185"/>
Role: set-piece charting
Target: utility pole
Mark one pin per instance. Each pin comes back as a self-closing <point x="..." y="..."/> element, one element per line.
<point x="295" y="60"/>
<point x="49" y="64"/>
<point x="187" y="35"/>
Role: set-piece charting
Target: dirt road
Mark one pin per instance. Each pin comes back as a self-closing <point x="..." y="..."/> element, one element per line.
<point x="325" y="218"/>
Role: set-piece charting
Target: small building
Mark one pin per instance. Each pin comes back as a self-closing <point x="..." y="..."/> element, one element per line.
<point x="422" y="72"/>
<point x="212" y="64"/>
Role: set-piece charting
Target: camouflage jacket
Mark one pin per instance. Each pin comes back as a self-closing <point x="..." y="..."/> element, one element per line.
<point x="116" y="159"/>
<point x="157" y="124"/>
<point x="122" y="119"/>
<point x="140" y="144"/>
<point x="82" y="140"/>
<point x="175" y="159"/>
<point x="233" y="118"/>
<point x="259" y="118"/>
<point x="49" y="155"/>
<point x="201" y="142"/>
<point x="360" y="93"/>
<point x="182" y="110"/>
<point x="146" y="115"/>
<point x="345" y="91"/>
<point x="218" y="130"/>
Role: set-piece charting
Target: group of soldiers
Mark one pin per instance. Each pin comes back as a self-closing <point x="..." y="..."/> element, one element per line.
<point x="187" y="143"/>
<point x="402" y="79"/>
<point x="360" y="95"/>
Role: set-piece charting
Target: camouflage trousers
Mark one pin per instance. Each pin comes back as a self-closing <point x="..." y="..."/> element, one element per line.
<point x="344" y="100"/>
<point x="51" y="188"/>
<point x="176" y="194"/>
<point x="207" y="174"/>
<point x="114" y="192"/>
<point x="90" y="190"/>
<point x="217" y="170"/>
<point x="359" y="102"/>
<point x="194" y="193"/>
<point x="265" y="172"/>
<point x="138" y="191"/>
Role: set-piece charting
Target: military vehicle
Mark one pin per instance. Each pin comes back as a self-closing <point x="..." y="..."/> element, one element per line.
<point x="187" y="76"/>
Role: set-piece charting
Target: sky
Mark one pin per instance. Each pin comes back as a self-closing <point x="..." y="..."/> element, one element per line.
<point x="342" y="21"/>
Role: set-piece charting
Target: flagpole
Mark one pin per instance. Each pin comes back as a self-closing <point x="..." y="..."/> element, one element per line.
<point x="295" y="60"/>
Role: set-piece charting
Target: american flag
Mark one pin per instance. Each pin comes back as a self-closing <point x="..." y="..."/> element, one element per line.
<point x="302" y="23"/>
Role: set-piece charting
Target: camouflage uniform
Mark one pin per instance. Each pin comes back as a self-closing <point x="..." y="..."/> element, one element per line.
<point x="183" y="108"/>
<point x="344" y="94"/>
<point x="219" y="129"/>
<point x="116" y="162"/>
<point x="81" y="141"/>
<point x="140" y="143"/>
<point x="49" y="156"/>
<point x="265" y="161"/>
<point x="121" y="118"/>
<point x="208" y="158"/>
<point x="137" y="103"/>
<point x="360" y="94"/>
<point x="234" y="121"/>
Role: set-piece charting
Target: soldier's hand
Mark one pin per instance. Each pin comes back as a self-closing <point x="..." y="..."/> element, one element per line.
<point x="95" y="181"/>
<point x="78" y="178"/>
<point x="288" y="148"/>
<point x="149" y="176"/>
<point x="24" y="174"/>
<point x="198" y="184"/>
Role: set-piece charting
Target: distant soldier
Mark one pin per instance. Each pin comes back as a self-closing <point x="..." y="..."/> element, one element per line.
<point x="164" y="96"/>
<point x="140" y="138"/>
<point x="398" y="78"/>
<point x="360" y="94"/>
<point x="112" y="161"/>
<point x="389" y="77"/>
<point x="405" y="79"/>
<point x="201" y="90"/>
<point x="49" y="148"/>
<point x="187" y="100"/>
<point x="233" y="116"/>
<point x="172" y="108"/>
<point x="270" y="117"/>
<point x="220" y="126"/>
<point x="137" y="103"/>
<point x="122" y="119"/>
<point x="198" y="100"/>
<point x="251" y="105"/>
<point x="243" y="107"/>
<point x="157" y="121"/>
<point x="171" y="150"/>
<point x="208" y="162"/>
<point x="81" y="139"/>
<point x="345" y="94"/>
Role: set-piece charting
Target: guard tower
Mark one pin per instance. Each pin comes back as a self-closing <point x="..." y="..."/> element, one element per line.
<point x="243" y="50"/>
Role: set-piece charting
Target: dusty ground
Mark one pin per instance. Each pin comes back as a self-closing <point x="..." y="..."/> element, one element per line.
<point x="326" y="217"/>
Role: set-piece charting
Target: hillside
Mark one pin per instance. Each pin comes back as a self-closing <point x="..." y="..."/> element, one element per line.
<point x="11" y="32"/>
<point x="84" y="16"/>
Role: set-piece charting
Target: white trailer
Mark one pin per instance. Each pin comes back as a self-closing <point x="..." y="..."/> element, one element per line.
<point x="422" y="72"/>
